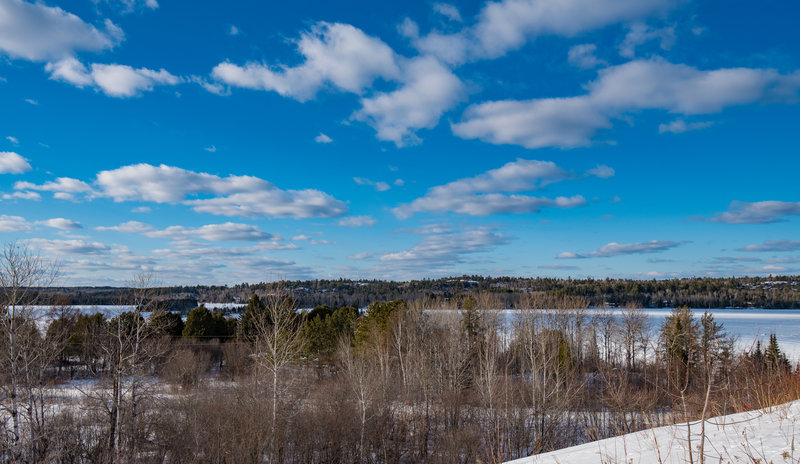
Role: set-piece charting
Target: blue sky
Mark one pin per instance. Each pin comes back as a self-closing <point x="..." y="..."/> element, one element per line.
<point x="224" y="142"/>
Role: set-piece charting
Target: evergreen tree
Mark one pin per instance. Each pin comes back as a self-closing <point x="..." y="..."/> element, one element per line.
<point x="202" y="323"/>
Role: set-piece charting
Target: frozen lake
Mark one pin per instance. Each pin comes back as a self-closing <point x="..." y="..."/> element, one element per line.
<point x="747" y="325"/>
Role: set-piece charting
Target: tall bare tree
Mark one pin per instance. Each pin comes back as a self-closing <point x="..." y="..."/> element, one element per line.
<point x="22" y="275"/>
<point x="279" y="342"/>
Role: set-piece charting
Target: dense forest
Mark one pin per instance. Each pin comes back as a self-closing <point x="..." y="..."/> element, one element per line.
<point x="510" y="292"/>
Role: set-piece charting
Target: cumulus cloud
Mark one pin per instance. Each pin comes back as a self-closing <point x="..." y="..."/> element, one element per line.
<point x="640" y="33"/>
<point x="208" y="193"/>
<point x="227" y="232"/>
<point x="357" y="221"/>
<point x="428" y="89"/>
<point x="343" y="58"/>
<point x="115" y="80"/>
<point x="653" y="84"/>
<point x="584" y="56"/>
<point x="680" y="126"/>
<point x="229" y="196"/>
<point x="362" y="255"/>
<point x="37" y="32"/>
<point x="448" y="11"/>
<point x="322" y="138"/>
<point x="13" y="140"/>
<point x="337" y="55"/>
<point x="13" y="163"/>
<point x="22" y="196"/>
<point x="63" y="188"/>
<point x="489" y="193"/>
<point x="379" y="186"/>
<point x="601" y="171"/>
<point x="62" y="223"/>
<point x="760" y="212"/>
<point x="134" y="227"/>
<point x="773" y="245"/>
<point x="617" y="249"/>
<point x="506" y="25"/>
<point x="14" y="224"/>
<point x="68" y="247"/>
<point x="440" y="250"/>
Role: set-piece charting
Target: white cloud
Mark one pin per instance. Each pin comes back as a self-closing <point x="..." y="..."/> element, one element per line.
<point x="653" y="84"/>
<point x="399" y="182"/>
<point x="31" y="101"/>
<point x="233" y="30"/>
<point x="773" y="245"/>
<point x="448" y="11"/>
<point x="37" y="32"/>
<point x="13" y="140"/>
<point x="601" y="171"/>
<point x="128" y="6"/>
<point x="428" y="90"/>
<point x="357" y="221"/>
<point x="361" y="255"/>
<point x="760" y="212"/>
<point x="322" y="138"/>
<point x="230" y="196"/>
<point x="64" y="188"/>
<point x="13" y="224"/>
<point x="583" y="56"/>
<point x="68" y="247"/>
<point x="506" y="25"/>
<point x="13" y="163"/>
<point x="338" y="55"/>
<point x="62" y="223"/>
<point x="344" y="58"/>
<point x="680" y="126"/>
<point x="227" y="232"/>
<point x="481" y="195"/>
<point x="115" y="80"/>
<point x="141" y="209"/>
<point x="301" y="237"/>
<point x="560" y="122"/>
<point x="639" y="33"/>
<point x="617" y="249"/>
<point x="211" y="149"/>
<point x="444" y="250"/>
<point x="208" y="193"/>
<point x="379" y="186"/>
<point x="134" y="227"/>
<point x="22" y="196"/>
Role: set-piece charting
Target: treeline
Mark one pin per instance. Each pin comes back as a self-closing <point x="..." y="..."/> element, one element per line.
<point x="739" y="292"/>
<point x="391" y="384"/>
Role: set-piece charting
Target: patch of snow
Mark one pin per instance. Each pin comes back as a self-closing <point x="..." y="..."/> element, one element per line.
<point x="765" y="435"/>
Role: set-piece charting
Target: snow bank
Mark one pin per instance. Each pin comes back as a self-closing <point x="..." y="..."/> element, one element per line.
<point x="766" y="435"/>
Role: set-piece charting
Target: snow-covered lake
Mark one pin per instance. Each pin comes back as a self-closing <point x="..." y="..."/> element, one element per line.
<point x="746" y="325"/>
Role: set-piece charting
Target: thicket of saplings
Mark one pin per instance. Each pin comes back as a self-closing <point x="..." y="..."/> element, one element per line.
<point x="391" y="384"/>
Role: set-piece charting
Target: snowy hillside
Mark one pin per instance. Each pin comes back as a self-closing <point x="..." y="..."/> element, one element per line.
<point x="768" y="436"/>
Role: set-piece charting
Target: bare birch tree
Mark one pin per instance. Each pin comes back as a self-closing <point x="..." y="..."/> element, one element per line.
<point x="22" y="275"/>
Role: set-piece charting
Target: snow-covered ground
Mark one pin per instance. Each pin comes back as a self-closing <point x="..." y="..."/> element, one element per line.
<point x="769" y="435"/>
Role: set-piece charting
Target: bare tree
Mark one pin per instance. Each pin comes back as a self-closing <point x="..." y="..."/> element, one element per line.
<point x="22" y="274"/>
<point x="279" y="342"/>
<point x="129" y="348"/>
